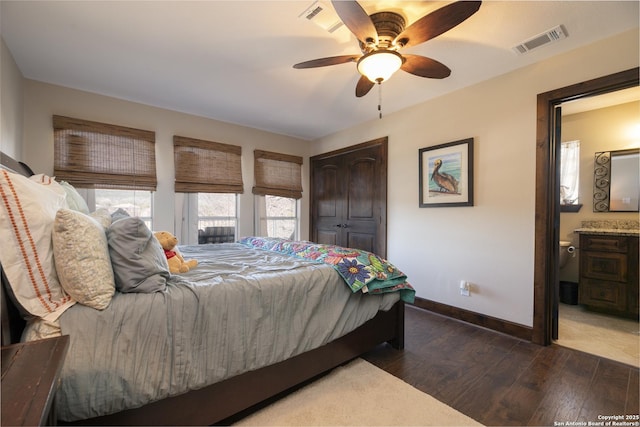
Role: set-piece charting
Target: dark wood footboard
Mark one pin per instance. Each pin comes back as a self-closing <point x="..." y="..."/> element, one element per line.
<point x="217" y="402"/>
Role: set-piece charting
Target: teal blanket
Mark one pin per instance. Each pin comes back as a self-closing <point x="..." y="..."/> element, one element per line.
<point x="361" y="270"/>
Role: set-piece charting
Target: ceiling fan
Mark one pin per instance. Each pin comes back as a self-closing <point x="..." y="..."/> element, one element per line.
<point x="383" y="34"/>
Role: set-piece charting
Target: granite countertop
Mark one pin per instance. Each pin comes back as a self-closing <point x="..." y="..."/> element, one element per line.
<point x="608" y="231"/>
<point x="610" y="227"/>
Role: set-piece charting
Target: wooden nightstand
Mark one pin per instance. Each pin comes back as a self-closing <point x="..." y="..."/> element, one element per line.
<point x="30" y="379"/>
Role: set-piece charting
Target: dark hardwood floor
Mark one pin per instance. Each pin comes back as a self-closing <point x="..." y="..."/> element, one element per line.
<point x="500" y="380"/>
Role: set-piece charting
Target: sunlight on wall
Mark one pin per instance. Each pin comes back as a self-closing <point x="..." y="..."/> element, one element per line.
<point x="632" y="133"/>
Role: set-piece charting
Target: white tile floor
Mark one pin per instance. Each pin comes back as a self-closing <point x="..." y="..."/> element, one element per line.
<point x="600" y="334"/>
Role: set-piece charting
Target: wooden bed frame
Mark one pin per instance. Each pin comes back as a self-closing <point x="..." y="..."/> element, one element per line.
<point x="222" y="400"/>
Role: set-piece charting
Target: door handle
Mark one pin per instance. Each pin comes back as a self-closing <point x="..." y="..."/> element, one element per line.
<point x="342" y="225"/>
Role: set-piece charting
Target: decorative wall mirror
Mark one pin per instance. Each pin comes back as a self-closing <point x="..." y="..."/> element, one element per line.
<point x="616" y="181"/>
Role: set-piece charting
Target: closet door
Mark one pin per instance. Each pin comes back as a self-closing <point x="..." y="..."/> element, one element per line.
<point x="328" y="200"/>
<point x="348" y="200"/>
<point x="363" y="205"/>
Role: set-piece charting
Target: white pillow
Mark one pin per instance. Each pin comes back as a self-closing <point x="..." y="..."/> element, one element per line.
<point x="74" y="199"/>
<point x="27" y="211"/>
<point x="48" y="182"/>
<point x="82" y="258"/>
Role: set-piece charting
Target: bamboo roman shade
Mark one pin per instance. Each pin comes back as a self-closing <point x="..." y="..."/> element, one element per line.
<point x="206" y="166"/>
<point x="98" y="155"/>
<point x="277" y="174"/>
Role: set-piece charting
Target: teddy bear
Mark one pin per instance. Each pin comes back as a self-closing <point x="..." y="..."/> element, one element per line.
<point x="177" y="264"/>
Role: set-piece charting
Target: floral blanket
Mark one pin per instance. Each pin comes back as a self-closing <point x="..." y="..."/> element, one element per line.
<point x="361" y="270"/>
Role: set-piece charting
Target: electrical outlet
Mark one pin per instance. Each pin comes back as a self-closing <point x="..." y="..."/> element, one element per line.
<point x="465" y="288"/>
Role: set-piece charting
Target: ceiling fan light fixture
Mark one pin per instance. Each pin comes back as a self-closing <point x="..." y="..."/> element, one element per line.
<point x="379" y="65"/>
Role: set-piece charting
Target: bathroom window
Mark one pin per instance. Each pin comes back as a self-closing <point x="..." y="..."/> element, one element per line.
<point x="569" y="173"/>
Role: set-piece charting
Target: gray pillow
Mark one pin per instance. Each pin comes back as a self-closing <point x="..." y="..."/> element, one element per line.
<point x="119" y="214"/>
<point x="138" y="261"/>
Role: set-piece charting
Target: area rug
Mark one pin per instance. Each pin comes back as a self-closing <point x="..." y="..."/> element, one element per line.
<point x="358" y="394"/>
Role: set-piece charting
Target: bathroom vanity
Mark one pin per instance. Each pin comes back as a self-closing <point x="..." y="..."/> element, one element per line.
<point x="609" y="270"/>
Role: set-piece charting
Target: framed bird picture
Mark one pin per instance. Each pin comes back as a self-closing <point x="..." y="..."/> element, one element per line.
<point x="446" y="174"/>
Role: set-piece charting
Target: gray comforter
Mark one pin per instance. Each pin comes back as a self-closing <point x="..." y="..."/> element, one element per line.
<point x="240" y="309"/>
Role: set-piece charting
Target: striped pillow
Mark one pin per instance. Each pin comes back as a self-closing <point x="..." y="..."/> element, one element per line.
<point x="27" y="212"/>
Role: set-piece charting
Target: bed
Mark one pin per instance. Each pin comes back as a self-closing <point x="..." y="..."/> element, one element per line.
<point x="253" y="319"/>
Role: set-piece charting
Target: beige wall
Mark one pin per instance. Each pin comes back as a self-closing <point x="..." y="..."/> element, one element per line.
<point x="10" y="104"/>
<point x="606" y="129"/>
<point x="44" y="100"/>
<point x="492" y="243"/>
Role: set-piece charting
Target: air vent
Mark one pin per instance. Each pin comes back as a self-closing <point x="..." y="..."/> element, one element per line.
<point x="323" y="15"/>
<point x="552" y="35"/>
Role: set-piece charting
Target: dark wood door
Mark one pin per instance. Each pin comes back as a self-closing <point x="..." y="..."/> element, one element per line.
<point x="348" y="197"/>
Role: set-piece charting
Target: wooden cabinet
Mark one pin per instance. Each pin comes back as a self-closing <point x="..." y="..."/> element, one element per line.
<point x="609" y="273"/>
<point x="30" y="374"/>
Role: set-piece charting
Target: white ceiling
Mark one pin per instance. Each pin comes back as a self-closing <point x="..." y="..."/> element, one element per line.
<point x="232" y="60"/>
<point x="618" y="97"/>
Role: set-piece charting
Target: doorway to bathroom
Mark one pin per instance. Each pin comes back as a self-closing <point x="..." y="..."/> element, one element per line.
<point x="602" y="123"/>
<point x="547" y="235"/>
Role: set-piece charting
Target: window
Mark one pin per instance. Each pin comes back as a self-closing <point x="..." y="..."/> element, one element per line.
<point x="136" y="203"/>
<point x="569" y="172"/>
<point x="277" y="217"/>
<point x="98" y="155"/>
<point x="211" y="174"/>
<point x="217" y="217"/>
<point x="277" y="174"/>
<point x="115" y="165"/>
<point x="278" y="188"/>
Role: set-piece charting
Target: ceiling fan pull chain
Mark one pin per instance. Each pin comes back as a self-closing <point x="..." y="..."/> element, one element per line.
<point x="379" y="100"/>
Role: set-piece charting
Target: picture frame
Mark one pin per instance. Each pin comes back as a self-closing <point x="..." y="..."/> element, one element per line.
<point x="446" y="174"/>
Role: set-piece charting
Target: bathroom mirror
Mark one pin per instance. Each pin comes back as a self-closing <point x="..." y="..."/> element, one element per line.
<point x="616" y="184"/>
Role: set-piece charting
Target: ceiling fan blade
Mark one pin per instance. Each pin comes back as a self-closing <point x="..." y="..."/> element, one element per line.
<point x="437" y="22"/>
<point x="356" y="20"/>
<point x="323" y="62"/>
<point x="425" y="67"/>
<point x="363" y="87"/>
